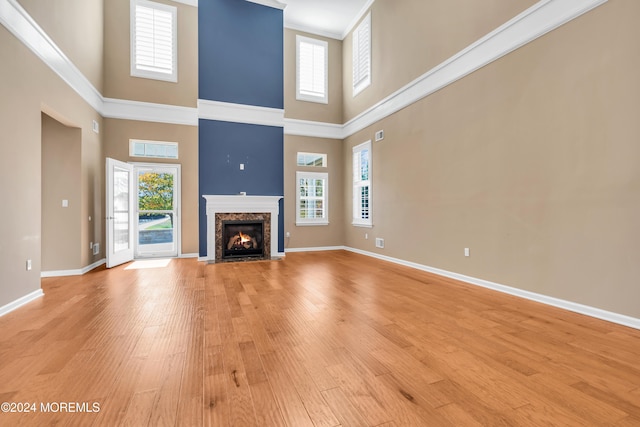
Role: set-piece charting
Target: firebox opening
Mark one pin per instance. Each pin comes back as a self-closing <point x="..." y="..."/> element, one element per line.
<point x="242" y="239"/>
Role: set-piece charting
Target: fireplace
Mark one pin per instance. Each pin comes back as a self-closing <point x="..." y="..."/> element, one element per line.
<point x="242" y="239"/>
<point x="241" y="211"/>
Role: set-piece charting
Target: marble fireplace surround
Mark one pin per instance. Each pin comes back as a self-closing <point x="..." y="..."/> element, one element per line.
<point x="240" y="204"/>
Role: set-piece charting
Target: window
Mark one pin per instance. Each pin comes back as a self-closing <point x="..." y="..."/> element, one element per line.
<point x="312" y="159"/>
<point x="311" y="198"/>
<point x="154" y="149"/>
<point x="361" y="53"/>
<point x="311" y="66"/>
<point x="154" y="40"/>
<point x="362" y="185"/>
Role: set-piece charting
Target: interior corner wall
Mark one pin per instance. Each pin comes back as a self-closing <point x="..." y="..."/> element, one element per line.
<point x="240" y="60"/>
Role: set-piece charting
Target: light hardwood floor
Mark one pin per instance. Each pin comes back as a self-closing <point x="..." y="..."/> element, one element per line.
<point x="319" y="339"/>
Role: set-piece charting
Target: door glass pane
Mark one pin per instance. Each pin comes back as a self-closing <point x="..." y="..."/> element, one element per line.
<point x="120" y="190"/>
<point x="120" y="231"/>
<point x="155" y="232"/>
<point x="155" y="191"/>
<point x="120" y="209"/>
<point x="156" y="213"/>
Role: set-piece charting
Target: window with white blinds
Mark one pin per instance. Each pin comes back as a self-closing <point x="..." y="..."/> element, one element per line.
<point x="362" y="185"/>
<point x="312" y="70"/>
<point x="361" y="53"/>
<point x="312" y="198"/>
<point x="154" y="40"/>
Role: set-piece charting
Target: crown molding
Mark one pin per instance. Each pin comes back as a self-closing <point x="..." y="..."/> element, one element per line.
<point x="240" y="113"/>
<point x="270" y="3"/>
<point x="16" y="19"/>
<point x="193" y="3"/>
<point x="314" y="129"/>
<point x="357" y="18"/>
<point x="149" y="112"/>
<point x="541" y="18"/>
<point x="534" y="22"/>
<point x="315" y="31"/>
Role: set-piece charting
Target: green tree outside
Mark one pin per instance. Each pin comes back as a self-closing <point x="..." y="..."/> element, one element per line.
<point x="155" y="192"/>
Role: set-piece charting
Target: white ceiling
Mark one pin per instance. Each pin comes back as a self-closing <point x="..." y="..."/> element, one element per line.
<point x="331" y="18"/>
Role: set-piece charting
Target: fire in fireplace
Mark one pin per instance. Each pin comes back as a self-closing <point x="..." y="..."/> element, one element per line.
<point x="242" y="239"/>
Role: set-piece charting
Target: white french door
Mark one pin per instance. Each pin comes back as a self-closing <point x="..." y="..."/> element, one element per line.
<point x="119" y="209"/>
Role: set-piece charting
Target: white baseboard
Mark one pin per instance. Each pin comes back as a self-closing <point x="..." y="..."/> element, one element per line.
<point x="20" y="302"/>
<point x="80" y="272"/>
<point x="189" y="256"/>
<point x="317" y="249"/>
<point x="609" y="316"/>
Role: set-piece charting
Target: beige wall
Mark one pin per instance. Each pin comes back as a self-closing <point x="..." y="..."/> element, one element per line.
<point x="61" y="180"/>
<point x="303" y="110"/>
<point x="117" y="134"/>
<point x="76" y="26"/>
<point x="410" y="37"/>
<point x="118" y="82"/>
<point x="321" y="235"/>
<point x="29" y="87"/>
<point x="531" y="162"/>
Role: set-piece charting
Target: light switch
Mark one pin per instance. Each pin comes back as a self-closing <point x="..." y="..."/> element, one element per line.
<point x="241" y="166"/>
<point x="65" y="203"/>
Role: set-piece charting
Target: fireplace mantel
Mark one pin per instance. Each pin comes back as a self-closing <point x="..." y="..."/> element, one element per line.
<point x="241" y="204"/>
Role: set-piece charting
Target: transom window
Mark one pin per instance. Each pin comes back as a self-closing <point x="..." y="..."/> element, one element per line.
<point x="311" y="198"/>
<point x="312" y="159"/>
<point x="154" y="40"/>
<point x="153" y="149"/>
<point x="362" y="185"/>
<point x="361" y="54"/>
<point x="311" y="70"/>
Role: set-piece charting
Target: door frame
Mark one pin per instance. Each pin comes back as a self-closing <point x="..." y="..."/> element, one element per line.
<point x="177" y="221"/>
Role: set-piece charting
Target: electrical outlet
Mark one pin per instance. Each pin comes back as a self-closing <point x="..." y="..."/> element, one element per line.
<point x="379" y="242"/>
<point x="28" y="265"/>
<point x="466" y="252"/>
<point x="288" y="234"/>
<point x="366" y="236"/>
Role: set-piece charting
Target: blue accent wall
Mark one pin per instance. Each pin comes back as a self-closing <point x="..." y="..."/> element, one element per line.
<point x="241" y="55"/>
<point x="240" y="60"/>
<point x="223" y="147"/>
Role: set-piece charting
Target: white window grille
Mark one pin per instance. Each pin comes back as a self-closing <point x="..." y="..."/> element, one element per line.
<point x="153" y="149"/>
<point x="361" y="54"/>
<point x="362" y="185"/>
<point x="312" y="197"/>
<point x="312" y="70"/>
<point x="154" y="40"/>
<point x="312" y="159"/>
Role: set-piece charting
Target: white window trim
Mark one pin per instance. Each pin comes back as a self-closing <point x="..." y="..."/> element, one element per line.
<point x="305" y="153"/>
<point x="307" y="97"/>
<point x="147" y="74"/>
<point x="312" y="221"/>
<point x="356" y="220"/>
<point x="132" y="153"/>
<point x="356" y="54"/>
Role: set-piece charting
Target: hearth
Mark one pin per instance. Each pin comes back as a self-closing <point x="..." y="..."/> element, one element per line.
<point x="241" y="209"/>
<point x="242" y="239"/>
